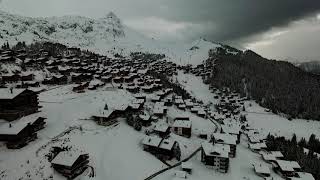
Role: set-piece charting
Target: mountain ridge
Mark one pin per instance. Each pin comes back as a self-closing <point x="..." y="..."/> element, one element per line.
<point x="106" y="35"/>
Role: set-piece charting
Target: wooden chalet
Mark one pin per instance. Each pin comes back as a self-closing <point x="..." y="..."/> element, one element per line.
<point x="159" y="109"/>
<point x="162" y="130"/>
<point x="232" y="129"/>
<point x="182" y="128"/>
<point x="133" y="89"/>
<point x="105" y="117"/>
<point x="145" y="119"/>
<point x="118" y="79"/>
<point x="187" y="167"/>
<point x="70" y="164"/>
<point x="256" y="147"/>
<point x="10" y="78"/>
<point x="26" y="84"/>
<point x="7" y="58"/>
<point x="148" y="88"/>
<point x="106" y="79"/>
<point x="215" y="156"/>
<point x="56" y="80"/>
<point x="160" y="147"/>
<point x="16" y="103"/>
<point x="286" y="169"/>
<point x="271" y="156"/>
<point x="262" y="170"/>
<point x="20" y="132"/>
<point x="228" y="139"/>
<point x="302" y="176"/>
<point x="94" y="84"/>
<point x="27" y="77"/>
<point x="80" y="77"/>
<point x="80" y="87"/>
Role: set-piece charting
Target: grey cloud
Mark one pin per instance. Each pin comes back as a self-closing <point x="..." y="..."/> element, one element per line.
<point x="237" y="19"/>
<point x="222" y="20"/>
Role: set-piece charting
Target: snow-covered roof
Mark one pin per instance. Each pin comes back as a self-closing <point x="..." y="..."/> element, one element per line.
<point x="277" y="154"/>
<point x="121" y="107"/>
<point x="254" y="139"/>
<point x="178" y="101"/>
<point x="135" y="106"/>
<point x="145" y="117"/>
<point x="158" y="142"/>
<point x="138" y="101"/>
<point x="195" y="109"/>
<point x="225" y="138"/>
<point x="66" y="158"/>
<point x="303" y="176"/>
<point x="58" y="76"/>
<point x="5" y="93"/>
<point x="95" y="82"/>
<point x="272" y="155"/>
<point x="103" y="113"/>
<point x="14" y="129"/>
<point x="18" y="125"/>
<point x="186" y="165"/>
<point x="139" y="96"/>
<point x="156" y="98"/>
<point x="167" y="144"/>
<point x="232" y="129"/>
<point x="263" y="169"/>
<point x="160" y="104"/>
<point x="268" y="157"/>
<point x="258" y="146"/>
<point x="220" y="150"/>
<point x="288" y="165"/>
<point x="182" y="123"/>
<point x="180" y="174"/>
<point x="201" y="112"/>
<point x="151" y="141"/>
<point x="158" y="110"/>
<point x="161" y="127"/>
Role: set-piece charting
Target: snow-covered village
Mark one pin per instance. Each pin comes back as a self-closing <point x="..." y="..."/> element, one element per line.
<point x="104" y="102"/>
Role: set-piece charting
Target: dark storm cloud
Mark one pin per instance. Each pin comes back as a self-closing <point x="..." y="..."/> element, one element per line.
<point x="232" y="19"/>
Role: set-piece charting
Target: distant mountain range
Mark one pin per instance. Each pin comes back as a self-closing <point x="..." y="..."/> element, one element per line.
<point x="106" y="35"/>
<point x="312" y="66"/>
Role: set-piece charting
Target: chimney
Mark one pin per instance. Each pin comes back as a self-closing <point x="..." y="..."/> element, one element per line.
<point x="10" y="125"/>
<point x="11" y="90"/>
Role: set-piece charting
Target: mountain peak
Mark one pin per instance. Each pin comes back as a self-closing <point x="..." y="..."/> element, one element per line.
<point x="112" y="17"/>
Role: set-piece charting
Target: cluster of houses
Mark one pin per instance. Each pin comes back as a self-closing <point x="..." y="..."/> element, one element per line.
<point x="74" y="66"/>
<point x="287" y="169"/>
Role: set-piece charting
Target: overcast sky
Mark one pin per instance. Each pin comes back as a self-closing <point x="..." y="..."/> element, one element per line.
<point x="281" y="29"/>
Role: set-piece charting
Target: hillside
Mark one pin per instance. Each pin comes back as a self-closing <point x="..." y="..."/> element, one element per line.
<point x="277" y="85"/>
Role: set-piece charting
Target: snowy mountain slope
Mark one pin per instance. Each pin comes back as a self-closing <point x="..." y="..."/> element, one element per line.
<point x="100" y="35"/>
<point x="105" y="35"/>
<point x="312" y="66"/>
<point x="194" y="53"/>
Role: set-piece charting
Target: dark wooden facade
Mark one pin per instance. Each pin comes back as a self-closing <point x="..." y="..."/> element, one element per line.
<point x="23" y="104"/>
